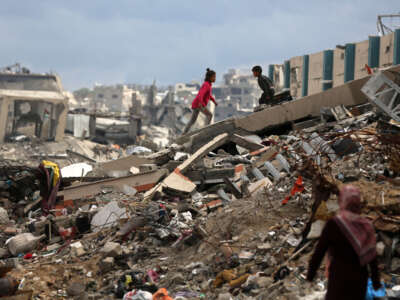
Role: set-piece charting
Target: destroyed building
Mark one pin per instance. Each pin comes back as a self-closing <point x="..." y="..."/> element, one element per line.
<point x="33" y="105"/>
<point x="113" y="99"/>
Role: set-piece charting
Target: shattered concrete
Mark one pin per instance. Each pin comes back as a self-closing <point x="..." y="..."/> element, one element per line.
<point x="201" y="218"/>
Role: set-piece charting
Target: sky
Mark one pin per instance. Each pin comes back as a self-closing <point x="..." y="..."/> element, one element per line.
<point x="138" y="41"/>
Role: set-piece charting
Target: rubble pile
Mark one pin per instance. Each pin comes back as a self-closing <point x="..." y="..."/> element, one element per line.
<point x="235" y="218"/>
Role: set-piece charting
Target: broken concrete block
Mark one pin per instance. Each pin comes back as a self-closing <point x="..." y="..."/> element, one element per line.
<point x="283" y="162"/>
<point x="77" y="249"/>
<point x="141" y="182"/>
<point x="272" y="170"/>
<point x="178" y="182"/>
<point x="259" y="186"/>
<point x="108" y="216"/>
<point x="106" y="264"/>
<point x="257" y="173"/>
<point x="233" y="188"/>
<point x="111" y="249"/>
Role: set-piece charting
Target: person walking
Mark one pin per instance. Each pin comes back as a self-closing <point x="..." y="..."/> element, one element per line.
<point x="199" y="104"/>
<point x="350" y="242"/>
<point x="265" y="84"/>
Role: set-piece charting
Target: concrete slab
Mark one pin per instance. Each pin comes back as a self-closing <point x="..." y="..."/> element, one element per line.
<point x="141" y="182"/>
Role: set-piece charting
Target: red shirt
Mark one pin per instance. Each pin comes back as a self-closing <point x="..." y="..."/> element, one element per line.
<point x="204" y="96"/>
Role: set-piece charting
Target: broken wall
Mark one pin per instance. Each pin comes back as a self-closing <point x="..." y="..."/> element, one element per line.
<point x="296" y="75"/>
<point x="386" y="50"/>
<point x="361" y="59"/>
<point x="278" y="78"/>
<point x="338" y="67"/>
<point x="315" y="73"/>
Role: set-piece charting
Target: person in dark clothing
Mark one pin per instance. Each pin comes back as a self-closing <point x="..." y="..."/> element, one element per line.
<point x="265" y="84"/>
<point x="350" y="241"/>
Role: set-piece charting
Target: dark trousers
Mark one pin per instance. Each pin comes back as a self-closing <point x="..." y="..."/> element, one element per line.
<point x="195" y="115"/>
<point x="266" y="96"/>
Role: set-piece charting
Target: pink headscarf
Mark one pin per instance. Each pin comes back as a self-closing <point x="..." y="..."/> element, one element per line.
<point x="357" y="229"/>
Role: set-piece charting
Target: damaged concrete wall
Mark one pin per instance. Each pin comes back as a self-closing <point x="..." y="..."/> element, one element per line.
<point x="316" y="63"/>
<point x="338" y="67"/>
<point x="315" y="75"/>
<point x="296" y="79"/>
<point x="32" y="105"/>
<point x="361" y="59"/>
<point x="386" y="50"/>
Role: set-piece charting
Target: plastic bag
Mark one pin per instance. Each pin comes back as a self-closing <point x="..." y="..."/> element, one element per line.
<point x="138" y="295"/>
<point x="371" y="293"/>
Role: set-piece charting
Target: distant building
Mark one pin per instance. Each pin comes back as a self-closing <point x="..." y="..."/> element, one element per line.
<point x="185" y="92"/>
<point x="115" y="98"/>
<point x="238" y="95"/>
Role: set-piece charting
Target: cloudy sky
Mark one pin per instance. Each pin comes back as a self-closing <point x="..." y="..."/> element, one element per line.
<point x="136" y="41"/>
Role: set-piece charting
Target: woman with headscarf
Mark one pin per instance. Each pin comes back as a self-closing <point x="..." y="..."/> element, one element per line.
<point x="199" y="103"/>
<point x="350" y="241"/>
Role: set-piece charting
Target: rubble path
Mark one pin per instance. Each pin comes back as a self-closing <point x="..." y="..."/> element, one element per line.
<point x="246" y="222"/>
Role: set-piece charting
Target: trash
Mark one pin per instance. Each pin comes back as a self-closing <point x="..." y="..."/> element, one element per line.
<point x="138" y="295"/>
<point x="76" y="170"/>
<point x="297" y="188"/>
<point x="161" y="294"/>
<point x="372" y="293"/>
<point x="23" y="243"/>
<point x="137" y="150"/>
<point x="108" y="216"/>
<point x="128" y="190"/>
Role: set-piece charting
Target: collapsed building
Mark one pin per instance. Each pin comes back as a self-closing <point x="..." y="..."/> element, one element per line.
<point x="33" y="105"/>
